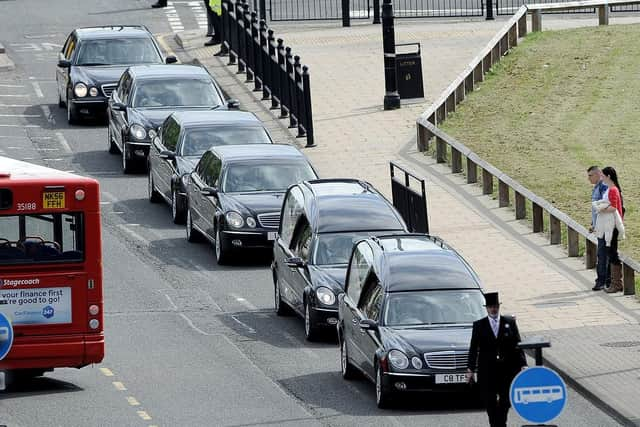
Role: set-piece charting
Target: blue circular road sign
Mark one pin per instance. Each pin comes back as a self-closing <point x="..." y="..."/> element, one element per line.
<point x="6" y="336"/>
<point x="538" y="394"/>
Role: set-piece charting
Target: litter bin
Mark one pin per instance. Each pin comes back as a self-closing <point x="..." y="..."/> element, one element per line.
<point x="409" y="72"/>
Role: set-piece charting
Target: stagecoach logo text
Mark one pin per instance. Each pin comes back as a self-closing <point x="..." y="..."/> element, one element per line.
<point x="18" y="282"/>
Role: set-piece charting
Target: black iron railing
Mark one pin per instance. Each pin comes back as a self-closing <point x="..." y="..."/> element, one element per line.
<point x="269" y="65"/>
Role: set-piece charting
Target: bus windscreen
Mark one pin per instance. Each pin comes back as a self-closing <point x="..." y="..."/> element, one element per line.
<point x="41" y="238"/>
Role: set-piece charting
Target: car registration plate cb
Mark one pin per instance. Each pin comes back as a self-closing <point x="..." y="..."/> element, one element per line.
<point x="451" y="378"/>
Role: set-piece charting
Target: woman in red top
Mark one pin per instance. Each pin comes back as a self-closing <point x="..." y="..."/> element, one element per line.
<point x="614" y="195"/>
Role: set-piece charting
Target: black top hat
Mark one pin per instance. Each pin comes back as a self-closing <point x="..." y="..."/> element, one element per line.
<point x="491" y="298"/>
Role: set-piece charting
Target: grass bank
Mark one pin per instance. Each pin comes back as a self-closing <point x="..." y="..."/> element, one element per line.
<point x="560" y="102"/>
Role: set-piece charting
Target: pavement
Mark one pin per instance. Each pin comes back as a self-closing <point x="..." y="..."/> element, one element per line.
<point x="595" y="337"/>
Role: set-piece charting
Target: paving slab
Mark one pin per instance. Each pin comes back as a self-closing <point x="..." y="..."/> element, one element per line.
<point x="6" y="64"/>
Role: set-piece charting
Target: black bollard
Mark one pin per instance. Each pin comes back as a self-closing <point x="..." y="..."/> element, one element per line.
<point x="346" y="18"/>
<point x="391" y="96"/>
<point x="489" y="10"/>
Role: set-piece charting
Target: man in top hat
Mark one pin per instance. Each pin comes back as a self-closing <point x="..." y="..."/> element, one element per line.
<point x="493" y="353"/>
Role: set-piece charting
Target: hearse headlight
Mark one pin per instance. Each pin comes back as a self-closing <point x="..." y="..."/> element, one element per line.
<point x="398" y="359"/>
<point x="80" y="89"/>
<point x="234" y="219"/>
<point x="251" y="222"/>
<point x="93" y="91"/>
<point x="137" y="131"/>
<point x="325" y="296"/>
<point x="416" y="362"/>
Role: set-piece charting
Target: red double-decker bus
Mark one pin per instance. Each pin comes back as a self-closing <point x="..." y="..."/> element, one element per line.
<point x="50" y="268"/>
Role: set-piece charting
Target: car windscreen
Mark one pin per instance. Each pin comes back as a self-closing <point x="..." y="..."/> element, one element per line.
<point x="247" y="177"/>
<point x="434" y="307"/>
<point x="117" y="52"/>
<point x="41" y="238"/>
<point x="335" y="248"/>
<point x="198" y="140"/>
<point x="184" y="92"/>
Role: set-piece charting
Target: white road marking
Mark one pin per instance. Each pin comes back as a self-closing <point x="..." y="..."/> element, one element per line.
<point x="4" y="85"/>
<point x="132" y="233"/>
<point x="19" y="126"/>
<point x="16" y="105"/>
<point x="20" y="115"/>
<point x="53" y="160"/>
<point x="63" y="141"/>
<point x="244" y="325"/>
<point x="37" y="89"/>
<point x="15" y="96"/>
<point x="244" y="302"/>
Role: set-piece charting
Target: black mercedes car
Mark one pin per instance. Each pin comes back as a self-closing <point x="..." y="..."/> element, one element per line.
<point x="406" y="316"/>
<point x="234" y="194"/>
<point x="183" y="138"/>
<point x="319" y="224"/>
<point x="92" y="61"/>
<point x="145" y="97"/>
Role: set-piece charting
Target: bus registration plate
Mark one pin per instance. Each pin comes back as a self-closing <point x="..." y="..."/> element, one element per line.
<point x="53" y="200"/>
<point x="451" y="378"/>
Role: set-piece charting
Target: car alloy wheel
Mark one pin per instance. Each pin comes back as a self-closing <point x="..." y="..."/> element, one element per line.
<point x="154" y="196"/>
<point x="310" y="331"/>
<point x="113" y="148"/>
<point x="222" y="252"/>
<point x="383" y="397"/>
<point x="193" y="235"/>
<point x="127" y="164"/>
<point x="348" y="371"/>
<point x="177" y="214"/>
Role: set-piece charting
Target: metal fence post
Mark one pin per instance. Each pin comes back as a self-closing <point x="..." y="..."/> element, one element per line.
<point x="256" y="50"/>
<point x="489" y="10"/>
<point x="391" y="97"/>
<point x="266" y="64"/>
<point x="308" y="115"/>
<point x="240" y="38"/>
<point x="274" y="73"/>
<point x="376" y="11"/>
<point x="248" y="42"/>
<point x="282" y="75"/>
<point x="346" y="18"/>
<point x="263" y="10"/>
<point x="299" y="95"/>
<point x="293" y="93"/>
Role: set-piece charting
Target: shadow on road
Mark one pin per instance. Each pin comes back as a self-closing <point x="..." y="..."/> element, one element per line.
<point x="28" y="387"/>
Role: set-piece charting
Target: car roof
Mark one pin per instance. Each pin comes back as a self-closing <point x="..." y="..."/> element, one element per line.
<point x="256" y="152"/>
<point x="162" y="71"/>
<point x="198" y="118"/>
<point x="421" y="262"/>
<point x="115" y="31"/>
<point x="350" y="205"/>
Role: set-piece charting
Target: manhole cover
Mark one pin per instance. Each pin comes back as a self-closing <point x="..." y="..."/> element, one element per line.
<point x="622" y="344"/>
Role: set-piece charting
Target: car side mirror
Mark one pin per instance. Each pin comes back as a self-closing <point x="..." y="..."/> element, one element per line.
<point x="369" y="325"/>
<point x="64" y="63"/>
<point x="233" y="104"/>
<point x="295" y="262"/>
<point x="167" y="155"/>
<point x="170" y="59"/>
<point x="118" y="106"/>
<point x="209" y="191"/>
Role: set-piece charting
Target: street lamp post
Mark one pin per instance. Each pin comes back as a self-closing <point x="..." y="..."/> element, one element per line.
<point x="391" y="96"/>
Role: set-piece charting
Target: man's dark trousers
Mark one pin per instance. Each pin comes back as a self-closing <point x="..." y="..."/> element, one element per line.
<point x="214" y="23"/>
<point x="603" y="271"/>
<point x="496" y="401"/>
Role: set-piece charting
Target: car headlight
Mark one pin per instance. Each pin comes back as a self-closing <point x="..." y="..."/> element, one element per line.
<point x="93" y="91"/>
<point x="325" y="295"/>
<point x="234" y="219"/>
<point x="398" y="359"/>
<point x="137" y="131"/>
<point x="251" y="222"/>
<point x="416" y="362"/>
<point x="80" y="89"/>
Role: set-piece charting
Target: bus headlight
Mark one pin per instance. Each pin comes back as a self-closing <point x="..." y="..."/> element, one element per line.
<point x="94" y="310"/>
<point x="80" y="89"/>
<point x="94" y="323"/>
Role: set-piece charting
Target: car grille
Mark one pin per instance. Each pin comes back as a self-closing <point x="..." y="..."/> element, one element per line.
<point x="108" y="89"/>
<point x="450" y="359"/>
<point x="269" y="220"/>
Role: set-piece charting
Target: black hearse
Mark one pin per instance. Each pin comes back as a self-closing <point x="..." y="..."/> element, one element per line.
<point x="406" y="316"/>
<point x="320" y="222"/>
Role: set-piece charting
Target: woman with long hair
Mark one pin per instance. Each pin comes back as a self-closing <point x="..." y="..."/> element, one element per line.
<point x="616" y="203"/>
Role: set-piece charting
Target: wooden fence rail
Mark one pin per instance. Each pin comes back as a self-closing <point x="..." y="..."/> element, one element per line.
<point x="464" y="160"/>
